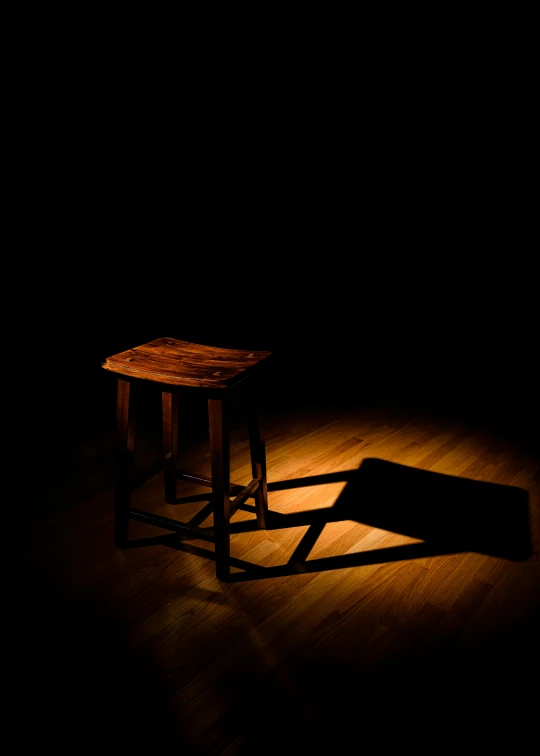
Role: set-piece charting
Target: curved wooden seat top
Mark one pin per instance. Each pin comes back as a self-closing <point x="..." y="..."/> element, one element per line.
<point x="181" y="363"/>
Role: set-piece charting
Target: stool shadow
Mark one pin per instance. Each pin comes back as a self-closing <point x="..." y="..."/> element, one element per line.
<point x="447" y="513"/>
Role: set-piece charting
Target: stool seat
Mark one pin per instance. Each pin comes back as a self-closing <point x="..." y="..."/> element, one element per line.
<point x="180" y="363"/>
<point x="174" y="366"/>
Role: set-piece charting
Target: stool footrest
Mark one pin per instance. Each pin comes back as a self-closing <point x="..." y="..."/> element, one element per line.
<point x="244" y="494"/>
<point x="165" y="522"/>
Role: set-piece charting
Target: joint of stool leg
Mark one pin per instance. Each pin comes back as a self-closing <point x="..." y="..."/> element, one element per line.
<point x="121" y="530"/>
<point x="169" y="479"/>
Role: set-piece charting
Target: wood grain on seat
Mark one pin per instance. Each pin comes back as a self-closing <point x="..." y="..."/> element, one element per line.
<point x="181" y="363"/>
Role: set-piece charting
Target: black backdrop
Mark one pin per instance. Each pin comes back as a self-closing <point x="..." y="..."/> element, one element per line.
<point x="350" y="318"/>
<point x="385" y="257"/>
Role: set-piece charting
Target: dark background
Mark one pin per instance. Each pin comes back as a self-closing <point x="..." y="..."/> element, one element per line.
<point x="346" y="314"/>
<point x="388" y="298"/>
<point x="372" y="229"/>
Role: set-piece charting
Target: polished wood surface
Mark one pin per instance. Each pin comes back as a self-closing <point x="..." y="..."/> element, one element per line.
<point x="169" y="414"/>
<point x="125" y="448"/>
<point x="181" y="363"/>
<point x="392" y="601"/>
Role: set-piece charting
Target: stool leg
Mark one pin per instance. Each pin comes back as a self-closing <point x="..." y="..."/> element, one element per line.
<point x="258" y="459"/>
<point x="220" y="454"/>
<point x="169" y="406"/>
<point x="125" y="422"/>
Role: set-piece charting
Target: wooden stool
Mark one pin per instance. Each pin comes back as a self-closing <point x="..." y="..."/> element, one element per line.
<point x="178" y="366"/>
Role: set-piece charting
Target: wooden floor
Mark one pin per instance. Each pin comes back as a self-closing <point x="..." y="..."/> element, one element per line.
<point x="393" y="603"/>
